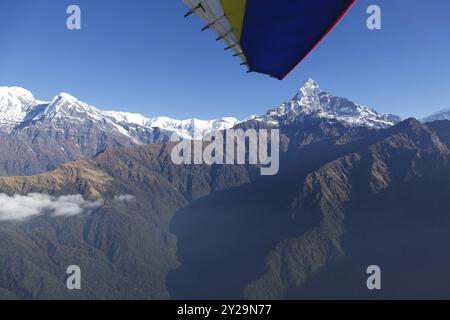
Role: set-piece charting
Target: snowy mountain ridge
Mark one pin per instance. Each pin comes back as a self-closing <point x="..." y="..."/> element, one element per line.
<point x="37" y="136"/>
<point x="18" y="106"/>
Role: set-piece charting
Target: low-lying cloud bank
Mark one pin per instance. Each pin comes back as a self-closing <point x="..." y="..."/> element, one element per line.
<point x="125" y="198"/>
<point x="21" y="207"/>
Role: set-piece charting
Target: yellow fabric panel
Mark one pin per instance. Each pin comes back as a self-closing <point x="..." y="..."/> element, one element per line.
<point x="235" y="11"/>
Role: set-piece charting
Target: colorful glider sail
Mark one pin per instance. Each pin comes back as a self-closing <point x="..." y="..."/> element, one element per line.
<point x="270" y="36"/>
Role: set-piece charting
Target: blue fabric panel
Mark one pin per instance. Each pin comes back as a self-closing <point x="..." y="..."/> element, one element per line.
<point x="279" y="34"/>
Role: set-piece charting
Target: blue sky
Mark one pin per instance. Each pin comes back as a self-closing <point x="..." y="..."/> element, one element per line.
<point x="143" y="56"/>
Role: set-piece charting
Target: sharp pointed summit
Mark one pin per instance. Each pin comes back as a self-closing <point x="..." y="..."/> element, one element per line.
<point x="65" y="96"/>
<point x="310" y="84"/>
<point x="310" y="88"/>
<point x="311" y="101"/>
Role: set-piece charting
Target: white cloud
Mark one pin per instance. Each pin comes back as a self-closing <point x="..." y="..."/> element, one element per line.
<point x="20" y="207"/>
<point x="125" y="198"/>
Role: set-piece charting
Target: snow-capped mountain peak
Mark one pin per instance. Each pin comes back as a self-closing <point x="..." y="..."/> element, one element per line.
<point x="16" y="93"/>
<point x="15" y="104"/>
<point x="310" y="88"/>
<point x="66" y="97"/>
<point x="440" y="115"/>
<point x="311" y="101"/>
<point x="65" y="105"/>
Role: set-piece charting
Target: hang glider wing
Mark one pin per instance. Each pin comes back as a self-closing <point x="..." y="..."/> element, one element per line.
<point x="270" y="36"/>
